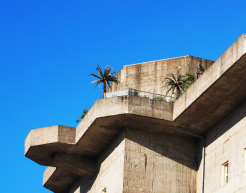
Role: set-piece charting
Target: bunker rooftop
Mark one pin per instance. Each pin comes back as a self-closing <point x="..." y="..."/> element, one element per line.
<point x="130" y="143"/>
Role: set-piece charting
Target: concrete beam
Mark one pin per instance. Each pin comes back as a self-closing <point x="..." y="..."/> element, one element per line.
<point x="98" y="128"/>
<point x="58" y="180"/>
<point x="81" y="166"/>
<point x="216" y="93"/>
<point x="42" y="143"/>
<point x="102" y="124"/>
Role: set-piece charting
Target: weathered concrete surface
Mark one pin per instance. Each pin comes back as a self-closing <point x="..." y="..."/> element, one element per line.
<point x="58" y="180"/>
<point x="232" y="128"/>
<point x="110" y="170"/>
<point x="101" y="124"/>
<point x="216" y="93"/>
<point x="41" y="144"/>
<point x="98" y="128"/>
<point x="159" y="162"/>
<point x="81" y="166"/>
<point x="149" y="76"/>
<point x="200" y="166"/>
<point x="143" y="161"/>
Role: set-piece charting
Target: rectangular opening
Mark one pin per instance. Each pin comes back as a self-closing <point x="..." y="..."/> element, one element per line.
<point x="225" y="173"/>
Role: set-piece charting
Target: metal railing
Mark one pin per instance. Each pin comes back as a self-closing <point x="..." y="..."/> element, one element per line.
<point x="139" y="93"/>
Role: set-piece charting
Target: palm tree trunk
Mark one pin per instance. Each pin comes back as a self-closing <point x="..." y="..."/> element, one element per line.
<point x="104" y="90"/>
<point x="177" y="94"/>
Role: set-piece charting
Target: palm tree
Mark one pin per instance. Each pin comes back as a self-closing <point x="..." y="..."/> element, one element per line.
<point x="178" y="84"/>
<point x="190" y="78"/>
<point x="106" y="78"/>
<point x="85" y="111"/>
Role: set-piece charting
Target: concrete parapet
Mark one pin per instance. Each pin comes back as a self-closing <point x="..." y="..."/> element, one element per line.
<point x="149" y="76"/>
<point x="216" y="93"/>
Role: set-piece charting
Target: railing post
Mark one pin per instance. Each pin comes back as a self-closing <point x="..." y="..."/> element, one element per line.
<point x="130" y="91"/>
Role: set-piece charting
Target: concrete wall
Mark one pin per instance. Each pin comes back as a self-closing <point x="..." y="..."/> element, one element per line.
<point x="199" y="174"/>
<point x="233" y="129"/>
<point x="159" y="162"/>
<point x="143" y="161"/>
<point x="149" y="76"/>
<point x="110" y="170"/>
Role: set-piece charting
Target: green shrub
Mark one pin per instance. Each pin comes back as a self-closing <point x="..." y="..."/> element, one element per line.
<point x="135" y="93"/>
<point x="160" y="98"/>
<point x="85" y="111"/>
<point x="146" y="97"/>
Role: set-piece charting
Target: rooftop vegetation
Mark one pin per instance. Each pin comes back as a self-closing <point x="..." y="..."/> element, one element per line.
<point x="178" y="84"/>
<point x="106" y="78"/>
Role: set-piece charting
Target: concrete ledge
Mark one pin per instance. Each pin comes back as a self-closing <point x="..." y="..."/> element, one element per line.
<point x="124" y="105"/>
<point x="42" y="143"/>
<point x="219" y="90"/>
<point x="54" y="146"/>
<point x="58" y="180"/>
<point x="102" y="124"/>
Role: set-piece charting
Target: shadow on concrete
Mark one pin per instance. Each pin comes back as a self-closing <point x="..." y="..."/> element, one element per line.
<point x="84" y="184"/>
<point x="226" y="123"/>
<point x="182" y="150"/>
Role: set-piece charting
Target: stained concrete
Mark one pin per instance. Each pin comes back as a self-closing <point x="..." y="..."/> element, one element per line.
<point x="58" y="180"/>
<point x="159" y="162"/>
<point x="149" y="76"/>
<point x="81" y="166"/>
<point x="98" y="128"/>
<point x="152" y="162"/>
<point x="216" y="93"/>
<point x="110" y="170"/>
<point x="231" y="129"/>
<point x="42" y="143"/>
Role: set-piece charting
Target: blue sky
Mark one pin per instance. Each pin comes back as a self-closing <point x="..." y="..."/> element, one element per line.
<point x="48" y="49"/>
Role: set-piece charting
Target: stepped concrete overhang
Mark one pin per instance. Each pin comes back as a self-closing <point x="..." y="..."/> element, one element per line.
<point x="217" y="92"/>
<point x="98" y="128"/>
<point x="73" y="151"/>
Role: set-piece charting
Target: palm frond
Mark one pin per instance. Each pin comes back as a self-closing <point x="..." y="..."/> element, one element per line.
<point x="179" y="83"/>
<point x="94" y="75"/>
<point x="99" y="71"/>
<point x="95" y="81"/>
<point x="168" y="90"/>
